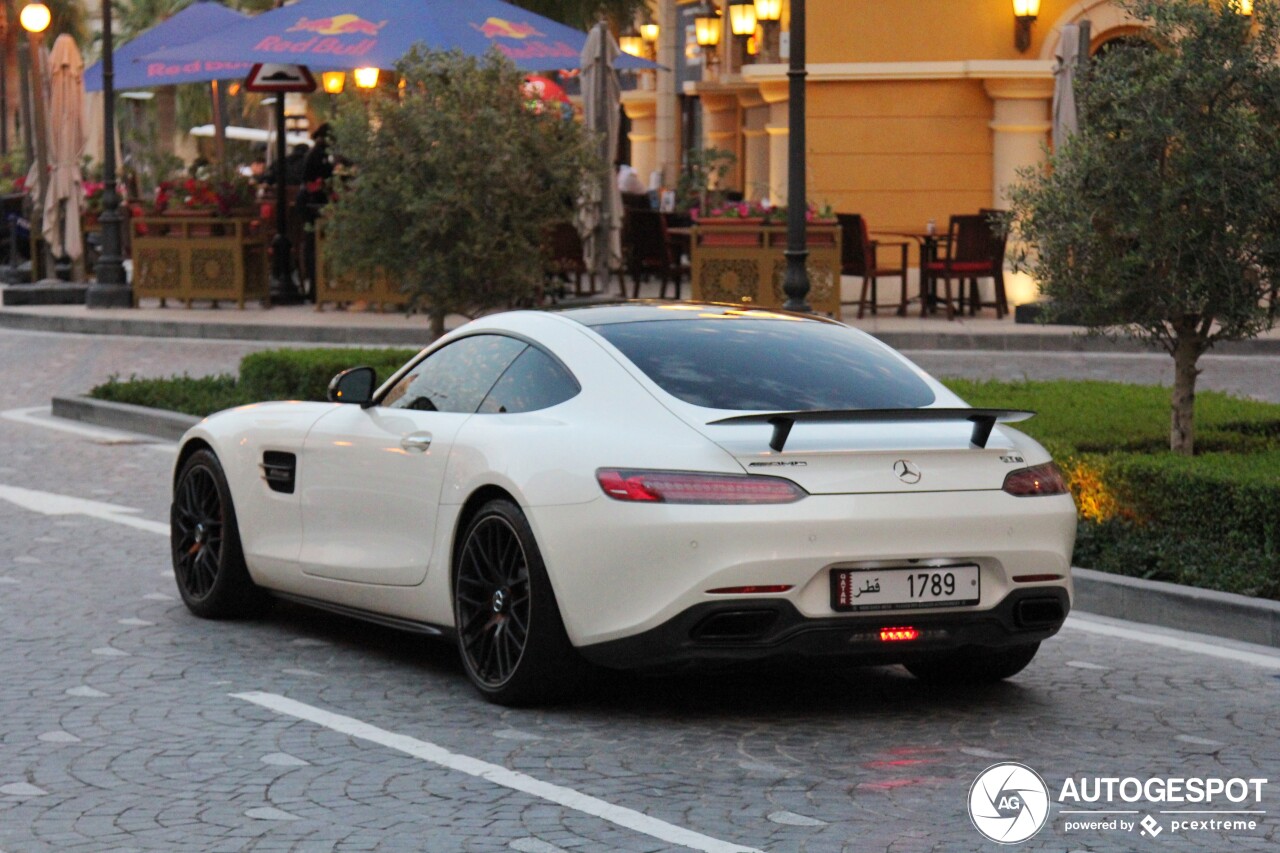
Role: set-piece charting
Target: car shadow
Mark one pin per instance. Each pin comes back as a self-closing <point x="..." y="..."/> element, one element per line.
<point x="795" y="690"/>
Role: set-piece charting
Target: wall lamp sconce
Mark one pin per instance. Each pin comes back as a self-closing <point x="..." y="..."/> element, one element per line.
<point x="742" y="17"/>
<point x="1025" y="13"/>
<point x="366" y="78"/>
<point x="631" y="42"/>
<point x="649" y="31"/>
<point x="769" y="16"/>
<point x="706" y="30"/>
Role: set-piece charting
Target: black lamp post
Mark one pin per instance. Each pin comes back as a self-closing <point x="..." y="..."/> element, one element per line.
<point x="110" y="288"/>
<point x="796" y="281"/>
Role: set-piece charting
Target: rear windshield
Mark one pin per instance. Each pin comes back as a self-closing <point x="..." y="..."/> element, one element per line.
<point x="779" y="365"/>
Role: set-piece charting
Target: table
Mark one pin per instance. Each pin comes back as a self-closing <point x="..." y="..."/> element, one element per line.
<point x="929" y="242"/>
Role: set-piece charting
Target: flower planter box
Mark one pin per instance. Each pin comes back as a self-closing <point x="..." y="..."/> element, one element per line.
<point x="191" y="257"/>
<point x="380" y="289"/>
<point x="744" y="264"/>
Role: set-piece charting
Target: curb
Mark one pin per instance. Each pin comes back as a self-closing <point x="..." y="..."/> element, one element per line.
<point x="943" y="339"/>
<point x="124" y="416"/>
<point x="214" y="331"/>
<point x="1168" y="605"/>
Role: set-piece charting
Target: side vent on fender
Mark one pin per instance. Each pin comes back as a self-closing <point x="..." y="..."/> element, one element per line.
<point x="278" y="469"/>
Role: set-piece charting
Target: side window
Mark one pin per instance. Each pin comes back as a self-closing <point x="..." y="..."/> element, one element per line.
<point x="534" y="381"/>
<point x="456" y="378"/>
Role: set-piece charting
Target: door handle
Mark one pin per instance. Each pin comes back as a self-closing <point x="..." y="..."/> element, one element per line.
<point x="417" y="442"/>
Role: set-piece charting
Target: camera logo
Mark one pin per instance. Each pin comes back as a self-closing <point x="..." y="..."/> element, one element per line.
<point x="1008" y="803"/>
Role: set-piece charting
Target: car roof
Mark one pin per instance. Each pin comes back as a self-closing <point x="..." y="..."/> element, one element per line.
<point x="654" y="310"/>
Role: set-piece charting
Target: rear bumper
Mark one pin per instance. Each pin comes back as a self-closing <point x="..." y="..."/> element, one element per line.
<point x="739" y="631"/>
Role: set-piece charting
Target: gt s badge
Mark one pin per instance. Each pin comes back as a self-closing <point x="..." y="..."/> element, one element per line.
<point x="790" y="463"/>
<point x="1011" y="459"/>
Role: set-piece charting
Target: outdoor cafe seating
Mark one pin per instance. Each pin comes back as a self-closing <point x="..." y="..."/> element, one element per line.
<point x="972" y="249"/>
<point x="648" y="249"/>
<point x="860" y="256"/>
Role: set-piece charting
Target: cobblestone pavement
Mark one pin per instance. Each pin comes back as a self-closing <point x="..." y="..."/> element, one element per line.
<point x="121" y="731"/>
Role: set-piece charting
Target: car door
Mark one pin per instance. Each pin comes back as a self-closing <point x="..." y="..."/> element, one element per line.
<point x="370" y="478"/>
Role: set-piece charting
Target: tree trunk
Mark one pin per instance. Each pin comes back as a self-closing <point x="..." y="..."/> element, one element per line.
<point x="437" y="323"/>
<point x="1182" y="415"/>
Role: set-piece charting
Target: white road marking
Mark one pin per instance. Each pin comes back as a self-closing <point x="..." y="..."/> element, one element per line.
<point x="1195" y="643"/>
<point x="42" y="417"/>
<point x="430" y="752"/>
<point x="49" y="503"/>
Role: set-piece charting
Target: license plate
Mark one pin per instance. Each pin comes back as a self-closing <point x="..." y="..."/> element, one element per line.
<point x="902" y="589"/>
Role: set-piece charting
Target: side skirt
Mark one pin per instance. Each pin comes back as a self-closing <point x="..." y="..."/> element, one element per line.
<point x="369" y="616"/>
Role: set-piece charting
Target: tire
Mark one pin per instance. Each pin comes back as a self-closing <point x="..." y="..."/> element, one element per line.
<point x="974" y="665"/>
<point x="208" y="562"/>
<point x="511" y="638"/>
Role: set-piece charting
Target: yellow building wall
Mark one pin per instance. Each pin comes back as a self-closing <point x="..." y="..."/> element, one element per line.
<point x="921" y="30"/>
<point x="900" y="153"/>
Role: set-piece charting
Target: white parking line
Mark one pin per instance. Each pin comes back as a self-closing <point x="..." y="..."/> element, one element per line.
<point x="49" y="503"/>
<point x="1184" y="642"/>
<point x="41" y="416"/>
<point x="498" y="775"/>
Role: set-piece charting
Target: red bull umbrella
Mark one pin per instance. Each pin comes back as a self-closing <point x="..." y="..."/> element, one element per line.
<point x="194" y="22"/>
<point x="341" y="34"/>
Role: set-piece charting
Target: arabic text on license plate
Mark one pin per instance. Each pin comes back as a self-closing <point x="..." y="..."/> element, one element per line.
<point x="902" y="589"/>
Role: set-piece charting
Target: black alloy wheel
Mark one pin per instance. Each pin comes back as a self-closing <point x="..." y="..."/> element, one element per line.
<point x="511" y="637"/>
<point x="208" y="562"/>
<point x="493" y="600"/>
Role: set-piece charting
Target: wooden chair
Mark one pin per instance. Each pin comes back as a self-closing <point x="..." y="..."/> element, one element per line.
<point x="860" y="256"/>
<point x="970" y="251"/>
<point x="564" y="256"/>
<point x="647" y="250"/>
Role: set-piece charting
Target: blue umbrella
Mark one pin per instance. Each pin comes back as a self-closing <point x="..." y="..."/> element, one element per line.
<point x="193" y="22"/>
<point x="342" y="34"/>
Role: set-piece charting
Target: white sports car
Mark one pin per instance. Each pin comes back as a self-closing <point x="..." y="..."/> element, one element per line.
<point x="645" y="485"/>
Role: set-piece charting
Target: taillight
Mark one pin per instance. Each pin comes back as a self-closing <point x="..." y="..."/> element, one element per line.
<point x="1037" y="480"/>
<point x="682" y="487"/>
<point x="897" y="635"/>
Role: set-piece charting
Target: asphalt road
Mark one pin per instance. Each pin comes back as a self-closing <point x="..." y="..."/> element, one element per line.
<point x="130" y="725"/>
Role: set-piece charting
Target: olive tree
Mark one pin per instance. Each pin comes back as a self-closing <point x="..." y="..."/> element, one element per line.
<point x="452" y="185"/>
<point x="1160" y="218"/>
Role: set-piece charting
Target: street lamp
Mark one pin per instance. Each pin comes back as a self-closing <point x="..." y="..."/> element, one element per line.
<point x="110" y="288"/>
<point x="742" y="23"/>
<point x="35" y="19"/>
<point x="333" y="81"/>
<point x="795" y="283"/>
<point x="366" y="78"/>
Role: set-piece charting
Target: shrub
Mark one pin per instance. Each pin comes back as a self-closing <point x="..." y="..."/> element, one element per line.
<point x="198" y="397"/>
<point x="304" y="374"/>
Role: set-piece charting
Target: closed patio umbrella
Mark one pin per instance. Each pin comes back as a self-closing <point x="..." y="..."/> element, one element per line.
<point x="1065" y="121"/>
<point x="599" y="216"/>
<point x="66" y="144"/>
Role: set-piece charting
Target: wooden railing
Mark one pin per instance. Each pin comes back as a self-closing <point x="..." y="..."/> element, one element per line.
<point x="743" y="263"/>
<point x="199" y="257"/>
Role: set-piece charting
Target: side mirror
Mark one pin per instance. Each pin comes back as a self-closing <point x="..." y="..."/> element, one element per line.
<point x="355" y="385"/>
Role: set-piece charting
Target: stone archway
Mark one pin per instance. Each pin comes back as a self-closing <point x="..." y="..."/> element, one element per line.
<point x="1109" y="21"/>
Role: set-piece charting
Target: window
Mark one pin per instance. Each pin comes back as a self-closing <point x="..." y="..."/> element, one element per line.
<point x="534" y="381"/>
<point x="747" y="364"/>
<point x="456" y="378"/>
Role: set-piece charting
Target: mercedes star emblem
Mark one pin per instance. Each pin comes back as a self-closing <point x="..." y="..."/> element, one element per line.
<point x="907" y="471"/>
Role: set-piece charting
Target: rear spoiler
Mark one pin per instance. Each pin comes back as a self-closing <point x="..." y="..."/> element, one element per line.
<point x="983" y="420"/>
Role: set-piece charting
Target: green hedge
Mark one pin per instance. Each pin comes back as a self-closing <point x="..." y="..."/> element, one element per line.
<point x="287" y="374"/>
<point x="304" y="374"/>
<point x="1212" y="520"/>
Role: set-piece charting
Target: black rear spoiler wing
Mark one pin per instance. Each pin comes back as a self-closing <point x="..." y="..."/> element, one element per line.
<point x="983" y="420"/>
